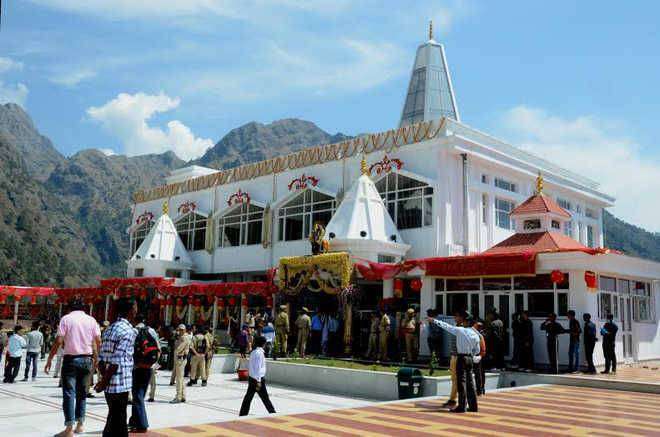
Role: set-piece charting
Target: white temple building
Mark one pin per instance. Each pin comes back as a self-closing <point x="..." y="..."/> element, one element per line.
<point x="433" y="188"/>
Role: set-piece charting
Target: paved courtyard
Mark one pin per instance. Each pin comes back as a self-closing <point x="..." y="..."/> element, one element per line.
<point x="34" y="408"/>
<point x="529" y="411"/>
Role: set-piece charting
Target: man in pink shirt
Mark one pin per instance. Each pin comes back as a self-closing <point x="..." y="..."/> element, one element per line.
<point x="80" y="337"/>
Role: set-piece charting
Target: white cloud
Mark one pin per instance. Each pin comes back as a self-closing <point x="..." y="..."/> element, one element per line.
<point x="8" y="64"/>
<point x="126" y="117"/>
<point x="13" y="93"/>
<point x="72" y="78"/>
<point x="597" y="149"/>
<point x="107" y="152"/>
<point x="346" y="65"/>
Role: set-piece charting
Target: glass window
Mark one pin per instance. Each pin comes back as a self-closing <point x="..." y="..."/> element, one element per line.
<point x="457" y="302"/>
<point x="590" y="213"/>
<point x="484" y="179"/>
<point x="409" y="201"/>
<point x="497" y="284"/>
<point x="568" y="228"/>
<point x="562" y="304"/>
<point x="474" y="304"/>
<point x="489" y="303"/>
<point x="541" y="304"/>
<point x="138" y="273"/>
<point x="566" y="204"/>
<point x="519" y="302"/>
<point x="565" y="283"/>
<point x="467" y="284"/>
<point x="297" y="217"/>
<point x="414" y="107"/>
<point x="439" y="303"/>
<point x="502" y="209"/>
<point x="642" y="302"/>
<point x="590" y="236"/>
<point x="505" y="185"/>
<point x="139" y="234"/>
<point x="538" y="282"/>
<point x="623" y="286"/>
<point x="555" y="224"/>
<point x="607" y="284"/>
<point x="241" y="226"/>
<point x="605" y="305"/>
<point x="439" y="284"/>
<point x="192" y="231"/>
<point x="529" y="225"/>
<point x="170" y="273"/>
<point x="484" y="209"/>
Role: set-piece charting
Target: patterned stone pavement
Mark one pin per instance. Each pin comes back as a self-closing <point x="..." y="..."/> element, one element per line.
<point x="646" y="372"/>
<point x="528" y="411"/>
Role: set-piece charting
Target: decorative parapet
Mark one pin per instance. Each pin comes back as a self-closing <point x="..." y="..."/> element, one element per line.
<point x="387" y="141"/>
<point x="385" y="165"/>
<point x="238" y="197"/>
<point x="302" y="182"/>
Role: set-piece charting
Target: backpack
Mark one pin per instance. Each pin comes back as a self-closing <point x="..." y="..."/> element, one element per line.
<point x="145" y="352"/>
<point x="200" y="346"/>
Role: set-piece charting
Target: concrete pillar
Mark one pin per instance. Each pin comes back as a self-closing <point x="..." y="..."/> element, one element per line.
<point x="60" y="311"/>
<point x="107" y="307"/>
<point x="243" y="308"/>
<point x="16" y="299"/>
<point x="189" y="315"/>
<point x="214" y="323"/>
<point x="426" y="301"/>
<point x="388" y="288"/>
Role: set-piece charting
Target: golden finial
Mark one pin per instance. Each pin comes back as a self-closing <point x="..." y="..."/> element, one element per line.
<point x="166" y="208"/>
<point x="430" y="29"/>
<point x="363" y="166"/>
<point x="539" y="183"/>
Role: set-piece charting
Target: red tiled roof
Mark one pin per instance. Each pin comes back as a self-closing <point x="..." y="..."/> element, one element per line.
<point x="536" y="242"/>
<point x="540" y="204"/>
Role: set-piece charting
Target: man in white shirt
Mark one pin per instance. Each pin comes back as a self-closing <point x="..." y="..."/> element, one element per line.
<point x="35" y="341"/>
<point x="467" y="347"/>
<point x="256" y="380"/>
<point x="15" y="347"/>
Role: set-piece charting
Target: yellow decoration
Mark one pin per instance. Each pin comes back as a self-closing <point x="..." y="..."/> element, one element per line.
<point x="430" y="29"/>
<point x="363" y="166"/>
<point x="329" y="272"/>
<point x="539" y="184"/>
<point x="166" y="208"/>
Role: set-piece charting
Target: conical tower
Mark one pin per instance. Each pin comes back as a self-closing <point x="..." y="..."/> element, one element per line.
<point x="430" y="92"/>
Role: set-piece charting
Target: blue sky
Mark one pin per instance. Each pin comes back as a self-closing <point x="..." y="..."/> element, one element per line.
<point x="573" y="81"/>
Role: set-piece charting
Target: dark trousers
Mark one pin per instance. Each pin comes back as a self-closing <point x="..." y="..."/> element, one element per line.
<point x="552" y="355"/>
<point x="467" y="394"/>
<point x="526" y="355"/>
<point x="31" y="358"/>
<point x="11" y="368"/>
<point x="315" y="345"/>
<point x="263" y="394"/>
<point x="610" y="356"/>
<point x="480" y="378"/>
<point x="115" y="424"/>
<point x="589" y="355"/>
<point x="141" y="378"/>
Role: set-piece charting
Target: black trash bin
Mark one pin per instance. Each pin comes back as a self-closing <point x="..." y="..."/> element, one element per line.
<point x="411" y="383"/>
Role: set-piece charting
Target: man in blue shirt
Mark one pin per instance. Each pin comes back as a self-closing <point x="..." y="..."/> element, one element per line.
<point x="15" y="347"/>
<point x="608" y="331"/>
<point x="590" y="340"/>
<point x="467" y="347"/>
<point x="116" y="365"/>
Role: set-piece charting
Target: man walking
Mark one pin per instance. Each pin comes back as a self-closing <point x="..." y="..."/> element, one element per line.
<point x="79" y="337"/>
<point x="15" y="347"/>
<point x="181" y="349"/>
<point x="574" y="331"/>
<point x="198" y="358"/>
<point x="282" y="331"/>
<point x="590" y="340"/>
<point x="145" y="356"/>
<point x="35" y="340"/>
<point x="467" y="347"/>
<point x="384" y="336"/>
<point x="303" y="324"/>
<point x="116" y="365"/>
<point x="257" y="379"/>
<point x="608" y="331"/>
<point x="526" y="343"/>
<point x="552" y="331"/>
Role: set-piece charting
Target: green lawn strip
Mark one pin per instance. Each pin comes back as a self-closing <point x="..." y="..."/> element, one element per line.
<point x="359" y="366"/>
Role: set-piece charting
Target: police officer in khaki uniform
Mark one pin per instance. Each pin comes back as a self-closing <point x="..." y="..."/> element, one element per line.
<point x="304" y="324"/>
<point x="410" y="335"/>
<point x="372" y="350"/>
<point x="198" y="360"/>
<point x="210" y="349"/>
<point x="384" y="333"/>
<point x="181" y="349"/>
<point x="282" y="331"/>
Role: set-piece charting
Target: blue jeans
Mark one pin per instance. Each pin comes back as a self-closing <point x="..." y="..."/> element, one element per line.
<point x="574" y="356"/>
<point x="31" y="358"/>
<point x="76" y="372"/>
<point x="141" y="378"/>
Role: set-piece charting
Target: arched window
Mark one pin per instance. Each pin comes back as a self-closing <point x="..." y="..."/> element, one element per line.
<point x="409" y="201"/>
<point x="139" y="234"/>
<point x="241" y="226"/>
<point x="192" y="231"/>
<point x="297" y="216"/>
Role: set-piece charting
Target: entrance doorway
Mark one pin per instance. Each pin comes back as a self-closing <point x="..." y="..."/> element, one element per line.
<point x="500" y="302"/>
<point x="629" y="353"/>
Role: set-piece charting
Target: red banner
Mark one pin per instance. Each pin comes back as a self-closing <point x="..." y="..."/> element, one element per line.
<point x="478" y="265"/>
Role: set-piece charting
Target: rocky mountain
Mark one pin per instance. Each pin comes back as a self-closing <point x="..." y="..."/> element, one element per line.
<point x="40" y="156"/>
<point x="63" y="220"/>
<point x="256" y="141"/>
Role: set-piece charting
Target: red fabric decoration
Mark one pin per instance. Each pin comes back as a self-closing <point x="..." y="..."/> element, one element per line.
<point x="269" y="301"/>
<point x="416" y="284"/>
<point x="398" y="287"/>
<point x="169" y="300"/>
<point x="179" y="302"/>
<point x="7" y="312"/>
<point x="590" y="279"/>
<point x="221" y="304"/>
<point x="477" y="265"/>
<point x="33" y="300"/>
<point x="3" y="299"/>
<point x="34" y="312"/>
<point x="196" y="302"/>
<point x="232" y="301"/>
<point x="556" y="276"/>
